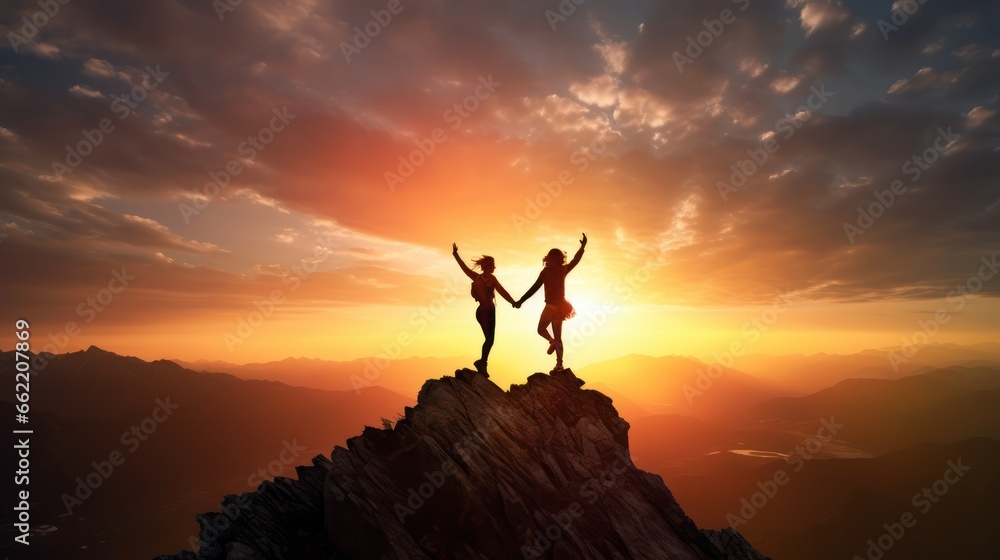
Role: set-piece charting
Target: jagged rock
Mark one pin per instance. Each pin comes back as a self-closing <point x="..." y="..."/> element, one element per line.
<point x="472" y="472"/>
<point x="731" y="542"/>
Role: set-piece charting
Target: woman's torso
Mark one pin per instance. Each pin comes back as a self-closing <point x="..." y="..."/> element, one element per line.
<point x="483" y="286"/>
<point x="554" y="280"/>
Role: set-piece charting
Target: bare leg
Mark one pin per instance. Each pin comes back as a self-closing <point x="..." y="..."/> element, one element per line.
<point x="489" y="325"/>
<point x="487" y="317"/>
<point x="557" y="331"/>
<point x="543" y="327"/>
<point x="548" y="317"/>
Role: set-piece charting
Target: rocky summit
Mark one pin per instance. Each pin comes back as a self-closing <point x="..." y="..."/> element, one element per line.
<point x="472" y="472"/>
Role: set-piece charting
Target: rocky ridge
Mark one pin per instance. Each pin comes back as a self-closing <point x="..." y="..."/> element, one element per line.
<point x="472" y="472"/>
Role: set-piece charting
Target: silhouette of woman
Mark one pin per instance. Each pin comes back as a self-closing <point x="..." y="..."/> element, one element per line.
<point x="482" y="290"/>
<point x="557" y="309"/>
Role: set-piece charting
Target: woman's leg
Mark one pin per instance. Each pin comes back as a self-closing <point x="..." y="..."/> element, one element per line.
<point x="489" y="324"/>
<point x="543" y="324"/>
<point x="557" y="331"/>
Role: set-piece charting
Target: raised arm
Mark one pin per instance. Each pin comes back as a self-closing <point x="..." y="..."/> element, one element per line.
<point x="531" y="291"/>
<point x="465" y="268"/>
<point x="503" y="292"/>
<point x="579" y="255"/>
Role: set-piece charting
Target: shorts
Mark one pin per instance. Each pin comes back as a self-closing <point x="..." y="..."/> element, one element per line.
<point x="558" y="311"/>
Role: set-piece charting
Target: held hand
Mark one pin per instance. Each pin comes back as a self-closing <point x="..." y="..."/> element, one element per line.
<point x="454" y="248"/>
<point x="583" y="242"/>
<point x="517" y="305"/>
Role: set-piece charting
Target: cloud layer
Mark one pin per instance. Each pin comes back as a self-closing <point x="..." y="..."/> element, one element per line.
<point x="504" y="125"/>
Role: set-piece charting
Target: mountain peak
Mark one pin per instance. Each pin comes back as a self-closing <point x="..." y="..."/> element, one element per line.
<point x="472" y="471"/>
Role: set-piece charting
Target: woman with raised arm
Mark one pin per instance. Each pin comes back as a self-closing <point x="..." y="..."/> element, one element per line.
<point x="557" y="309"/>
<point x="483" y="285"/>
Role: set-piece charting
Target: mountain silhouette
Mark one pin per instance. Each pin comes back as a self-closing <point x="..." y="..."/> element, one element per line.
<point x="680" y="384"/>
<point x="472" y="472"/>
<point x="223" y="432"/>
<point x="832" y="507"/>
<point x="882" y="416"/>
<point x="800" y="375"/>
<point x="401" y="375"/>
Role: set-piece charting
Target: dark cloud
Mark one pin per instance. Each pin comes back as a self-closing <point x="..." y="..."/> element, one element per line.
<point x="608" y="72"/>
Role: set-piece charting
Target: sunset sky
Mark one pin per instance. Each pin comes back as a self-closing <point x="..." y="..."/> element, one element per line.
<point x="535" y="127"/>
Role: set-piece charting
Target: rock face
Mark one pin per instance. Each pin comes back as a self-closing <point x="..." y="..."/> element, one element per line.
<point x="472" y="472"/>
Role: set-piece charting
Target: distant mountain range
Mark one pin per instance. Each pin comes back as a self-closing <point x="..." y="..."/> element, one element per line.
<point x="652" y="385"/>
<point x="892" y="438"/>
<point x="402" y="375"/>
<point x="474" y="472"/>
<point x="227" y="434"/>
<point x="801" y="375"/>
<point x="882" y="415"/>
<point x="679" y="385"/>
<point x="830" y="509"/>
